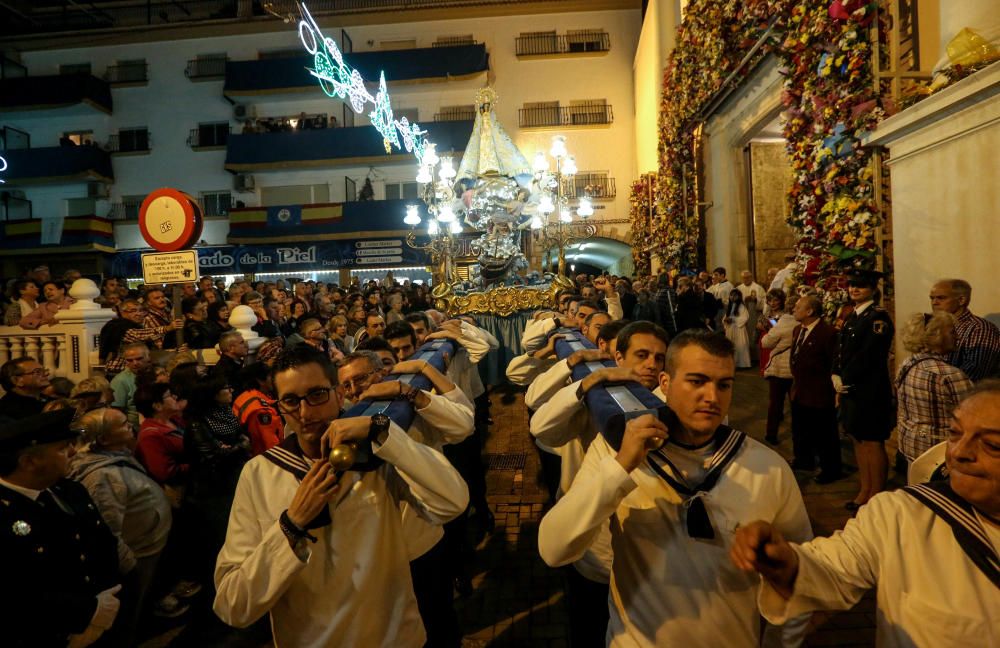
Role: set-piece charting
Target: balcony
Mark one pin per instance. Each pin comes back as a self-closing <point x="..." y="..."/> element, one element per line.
<point x="126" y="75"/>
<point x="134" y="142"/>
<point x="57" y="165"/>
<point x="561" y="116"/>
<point x="592" y="184"/>
<point x="332" y="147"/>
<point x="209" y="137"/>
<point x="458" y="114"/>
<point x="206" y="69"/>
<point x="59" y="95"/>
<point x="14" y="207"/>
<point x="274" y="76"/>
<point x="550" y="44"/>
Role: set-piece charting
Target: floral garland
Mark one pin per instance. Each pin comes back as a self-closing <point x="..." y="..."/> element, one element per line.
<point x="640" y="204"/>
<point x="830" y="104"/>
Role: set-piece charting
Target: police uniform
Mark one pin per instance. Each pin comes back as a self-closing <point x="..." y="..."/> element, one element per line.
<point x="56" y="550"/>
<point x="866" y="408"/>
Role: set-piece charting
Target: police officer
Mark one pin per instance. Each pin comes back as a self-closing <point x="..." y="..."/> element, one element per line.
<point x="59" y="559"/>
<point x="864" y="386"/>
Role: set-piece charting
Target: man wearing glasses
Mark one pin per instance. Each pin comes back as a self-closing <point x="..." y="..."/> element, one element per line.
<point x="325" y="552"/>
<point x="24" y="380"/>
<point x="127" y="329"/>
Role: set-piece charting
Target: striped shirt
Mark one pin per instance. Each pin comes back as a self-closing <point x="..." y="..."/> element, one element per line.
<point x="977" y="347"/>
<point x="927" y="390"/>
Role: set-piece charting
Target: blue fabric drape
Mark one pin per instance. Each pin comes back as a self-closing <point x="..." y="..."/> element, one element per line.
<point x="507" y="331"/>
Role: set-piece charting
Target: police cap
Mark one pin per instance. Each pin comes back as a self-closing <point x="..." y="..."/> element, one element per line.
<point x="47" y="427"/>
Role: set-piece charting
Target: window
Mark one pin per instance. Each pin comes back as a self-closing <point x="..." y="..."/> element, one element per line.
<point x="211" y="134"/>
<point x="401" y="190"/>
<point x="216" y="203"/>
<point x="596" y="184"/>
<point x="405" y="43"/>
<point x="452" y="41"/>
<point x="587" y="40"/>
<point x="590" y="111"/>
<point x="132" y="71"/>
<point x="295" y="195"/>
<point x="12" y="138"/>
<point x="529" y="43"/>
<point x="79" y="138"/>
<point x="540" y="113"/>
<point x="350" y="190"/>
<point x="75" y="68"/>
<point x="456" y="113"/>
<point x="128" y="208"/>
<point x="130" y="140"/>
<point x="207" y="65"/>
<point x="280" y="53"/>
<point x="412" y="114"/>
<point x="348" y="121"/>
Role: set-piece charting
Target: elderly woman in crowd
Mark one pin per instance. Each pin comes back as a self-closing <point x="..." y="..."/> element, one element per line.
<point x="217" y="319"/>
<point x="45" y="314"/>
<point x="23" y="300"/>
<point x="927" y="387"/>
<point x="337" y="327"/>
<point x="779" y="333"/>
<point x="92" y="393"/>
<point x="130" y="501"/>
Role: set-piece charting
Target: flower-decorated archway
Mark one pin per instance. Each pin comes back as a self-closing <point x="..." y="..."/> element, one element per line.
<point x="830" y="103"/>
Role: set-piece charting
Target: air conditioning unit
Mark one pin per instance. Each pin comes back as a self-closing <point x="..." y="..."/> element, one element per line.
<point x="97" y="190"/>
<point x="243" y="112"/>
<point x="244" y="182"/>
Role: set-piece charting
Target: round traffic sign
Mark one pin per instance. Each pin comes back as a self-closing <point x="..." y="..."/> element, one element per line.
<point x="170" y="220"/>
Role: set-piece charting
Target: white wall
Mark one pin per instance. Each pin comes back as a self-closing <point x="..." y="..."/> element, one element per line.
<point x="171" y="105"/>
<point x="656" y="41"/>
<point x="945" y="198"/>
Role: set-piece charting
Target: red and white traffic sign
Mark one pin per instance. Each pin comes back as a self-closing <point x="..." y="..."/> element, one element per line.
<point x="170" y="220"/>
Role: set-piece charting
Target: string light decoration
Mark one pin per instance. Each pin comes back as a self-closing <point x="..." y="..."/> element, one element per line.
<point x="3" y="167"/>
<point x="340" y="81"/>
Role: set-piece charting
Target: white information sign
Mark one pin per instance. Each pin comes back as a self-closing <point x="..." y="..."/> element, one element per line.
<point x="170" y="267"/>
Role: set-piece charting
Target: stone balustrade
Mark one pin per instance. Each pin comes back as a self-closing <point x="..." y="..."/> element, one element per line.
<point x="70" y="347"/>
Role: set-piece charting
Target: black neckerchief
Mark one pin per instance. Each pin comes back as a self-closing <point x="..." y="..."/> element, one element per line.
<point x="968" y="530"/>
<point x="287" y="455"/>
<point x="727" y="444"/>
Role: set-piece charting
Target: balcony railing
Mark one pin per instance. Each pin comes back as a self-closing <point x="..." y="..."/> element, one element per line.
<point x="595" y="185"/>
<point x="456" y="115"/>
<point x="208" y="137"/>
<point x="207" y="68"/>
<point x="579" y="43"/>
<point x="131" y="73"/>
<point x="129" y="143"/>
<point x="588" y="115"/>
<point x="126" y="210"/>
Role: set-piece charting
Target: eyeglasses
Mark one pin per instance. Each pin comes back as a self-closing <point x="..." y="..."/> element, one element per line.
<point x="290" y="403"/>
<point x="359" y="381"/>
<point x="41" y="371"/>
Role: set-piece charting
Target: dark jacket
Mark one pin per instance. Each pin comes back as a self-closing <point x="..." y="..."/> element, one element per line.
<point x="55" y="564"/>
<point x="812" y="365"/>
<point x="863" y="366"/>
<point x="230" y="369"/>
<point x="111" y="337"/>
<point x="198" y="335"/>
<point x="14" y="406"/>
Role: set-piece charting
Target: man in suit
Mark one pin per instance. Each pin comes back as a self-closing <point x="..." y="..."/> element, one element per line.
<point x="861" y="378"/>
<point x="814" y="411"/>
<point x="60" y="559"/>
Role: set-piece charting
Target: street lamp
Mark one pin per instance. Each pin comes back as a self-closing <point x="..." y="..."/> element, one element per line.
<point x="560" y="231"/>
<point x="443" y="223"/>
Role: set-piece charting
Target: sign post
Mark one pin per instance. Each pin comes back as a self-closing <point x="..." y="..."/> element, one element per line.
<point x="171" y="221"/>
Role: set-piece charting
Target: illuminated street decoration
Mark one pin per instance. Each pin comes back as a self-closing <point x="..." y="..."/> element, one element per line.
<point x="338" y="80"/>
<point x="3" y="167"/>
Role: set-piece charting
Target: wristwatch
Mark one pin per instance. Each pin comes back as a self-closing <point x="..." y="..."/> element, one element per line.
<point x="378" y="428"/>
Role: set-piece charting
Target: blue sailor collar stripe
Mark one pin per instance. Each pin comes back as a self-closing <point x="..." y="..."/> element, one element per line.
<point x="288" y="456"/>
<point x="612" y="405"/>
<point x="966" y="527"/>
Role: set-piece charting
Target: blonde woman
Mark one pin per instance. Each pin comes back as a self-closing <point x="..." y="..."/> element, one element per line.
<point x="337" y="328"/>
<point x="927" y="387"/>
<point x="130" y="501"/>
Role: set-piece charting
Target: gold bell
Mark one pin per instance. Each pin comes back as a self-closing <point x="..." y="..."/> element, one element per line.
<point x="342" y="456"/>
